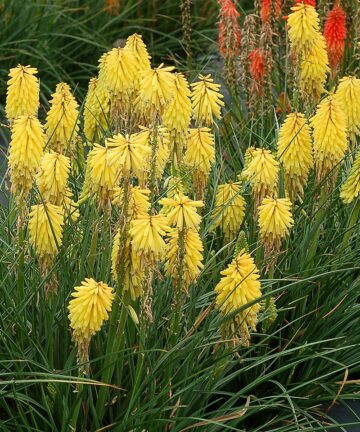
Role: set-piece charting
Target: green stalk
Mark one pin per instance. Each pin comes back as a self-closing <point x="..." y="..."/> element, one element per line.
<point x="117" y="326"/>
<point x="351" y="226"/>
<point x="315" y="233"/>
<point x="74" y="418"/>
<point x="105" y="243"/>
<point x="21" y="263"/>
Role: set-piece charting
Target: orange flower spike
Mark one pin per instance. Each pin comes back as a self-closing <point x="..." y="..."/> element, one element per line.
<point x="257" y="68"/>
<point x="228" y="18"/>
<point x="265" y="11"/>
<point x="335" y="35"/>
<point x="307" y="2"/>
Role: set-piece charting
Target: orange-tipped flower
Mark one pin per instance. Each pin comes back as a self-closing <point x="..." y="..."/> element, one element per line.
<point x="307" y="2"/>
<point x="229" y="26"/>
<point x="335" y="35"/>
<point x="265" y="10"/>
<point x="257" y="69"/>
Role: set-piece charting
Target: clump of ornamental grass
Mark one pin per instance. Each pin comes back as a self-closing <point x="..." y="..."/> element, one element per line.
<point x="142" y="204"/>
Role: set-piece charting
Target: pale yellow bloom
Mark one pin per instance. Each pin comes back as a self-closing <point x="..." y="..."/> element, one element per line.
<point x="229" y="209"/>
<point x="351" y="187"/>
<point x="89" y="308"/>
<point x="147" y="232"/>
<point x="62" y="119"/>
<point x="105" y="171"/>
<point x="26" y="148"/>
<point x="46" y="229"/>
<point x="295" y="153"/>
<point x="314" y="66"/>
<point x="348" y="95"/>
<point x="330" y="137"/>
<point x="53" y="176"/>
<point x="131" y="152"/>
<point x="182" y="211"/>
<point x="304" y="26"/>
<point x="136" y="45"/>
<point x="206" y="101"/>
<point x="238" y="287"/>
<point x="156" y="89"/>
<point x="22" y="97"/>
<point x="275" y="220"/>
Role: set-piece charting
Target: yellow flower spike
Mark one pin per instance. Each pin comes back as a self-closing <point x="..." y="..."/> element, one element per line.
<point x="200" y="152"/>
<point x="248" y="157"/>
<point x="206" y="101"/>
<point x="138" y="201"/>
<point x="62" y="119"/>
<point x="314" y="66"/>
<point x="262" y="173"/>
<point x="304" y="26"/>
<point x="330" y="137"/>
<point x="136" y="45"/>
<point x="275" y="222"/>
<point x="46" y="229"/>
<point x="89" y="307"/>
<point x="121" y="72"/>
<point x="53" y="176"/>
<point x="193" y="255"/>
<point x="351" y="187"/>
<point x="294" y="151"/>
<point x="182" y="212"/>
<point x="156" y="89"/>
<point x="134" y="273"/>
<point x="105" y="171"/>
<point x="239" y="285"/>
<point x="229" y="209"/>
<point x="26" y="148"/>
<point x="22" y="98"/>
<point x="131" y="152"/>
<point x="177" y="115"/>
<point x="95" y="110"/>
<point x="200" y="156"/>
<point x="147" y="234"/>
<point x="348" y="95"/>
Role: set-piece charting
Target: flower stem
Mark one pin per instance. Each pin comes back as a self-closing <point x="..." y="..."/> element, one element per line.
<point x="351" y="226"/>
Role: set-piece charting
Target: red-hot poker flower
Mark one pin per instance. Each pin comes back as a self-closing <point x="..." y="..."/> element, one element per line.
<point x="257" y="68"/>
<point x="307" y="2"/>
<point x="229" y="27"/>
<point x="278" y="8"/>
<point x="335" y="34"/>
<point x="265" y="10"/>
